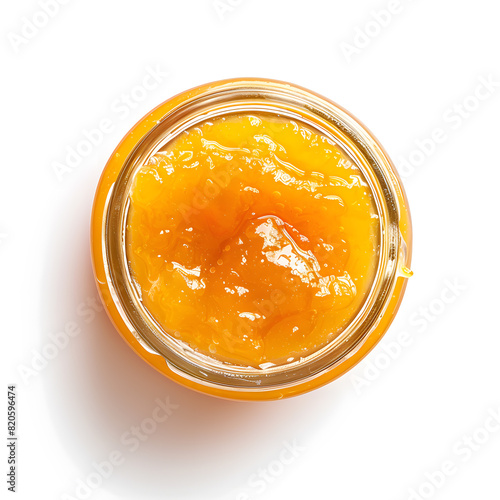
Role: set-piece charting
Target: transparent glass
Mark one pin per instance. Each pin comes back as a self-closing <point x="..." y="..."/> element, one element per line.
<point x="174" y="358"/>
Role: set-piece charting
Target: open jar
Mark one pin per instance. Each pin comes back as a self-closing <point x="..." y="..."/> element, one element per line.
<point x="164" y="347"/>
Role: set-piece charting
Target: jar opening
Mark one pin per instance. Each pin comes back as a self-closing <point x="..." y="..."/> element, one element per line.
<point x="294" y="104"/>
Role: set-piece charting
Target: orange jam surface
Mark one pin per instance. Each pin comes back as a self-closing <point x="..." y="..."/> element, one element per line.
<point x="252" y="238"/>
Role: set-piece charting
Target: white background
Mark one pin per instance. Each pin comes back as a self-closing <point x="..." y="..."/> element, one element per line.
<point x="375" y="433"/>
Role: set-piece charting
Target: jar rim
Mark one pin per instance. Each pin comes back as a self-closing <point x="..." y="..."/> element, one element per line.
<point x="268" y="96"/>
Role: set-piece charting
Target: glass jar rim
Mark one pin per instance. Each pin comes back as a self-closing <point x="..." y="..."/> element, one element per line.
<point x="267" y="96"/>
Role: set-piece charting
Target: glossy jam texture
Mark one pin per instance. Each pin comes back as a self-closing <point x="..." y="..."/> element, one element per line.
<point x="252" y="238"/>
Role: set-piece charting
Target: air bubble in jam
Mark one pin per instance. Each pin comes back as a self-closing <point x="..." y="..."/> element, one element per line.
<point x="254" y="238"/>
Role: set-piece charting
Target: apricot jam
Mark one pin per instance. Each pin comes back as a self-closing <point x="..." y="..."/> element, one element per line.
<point x="252" y="238"/>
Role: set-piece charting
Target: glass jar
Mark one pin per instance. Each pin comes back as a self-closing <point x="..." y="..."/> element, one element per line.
<point x="175" y="359"/>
